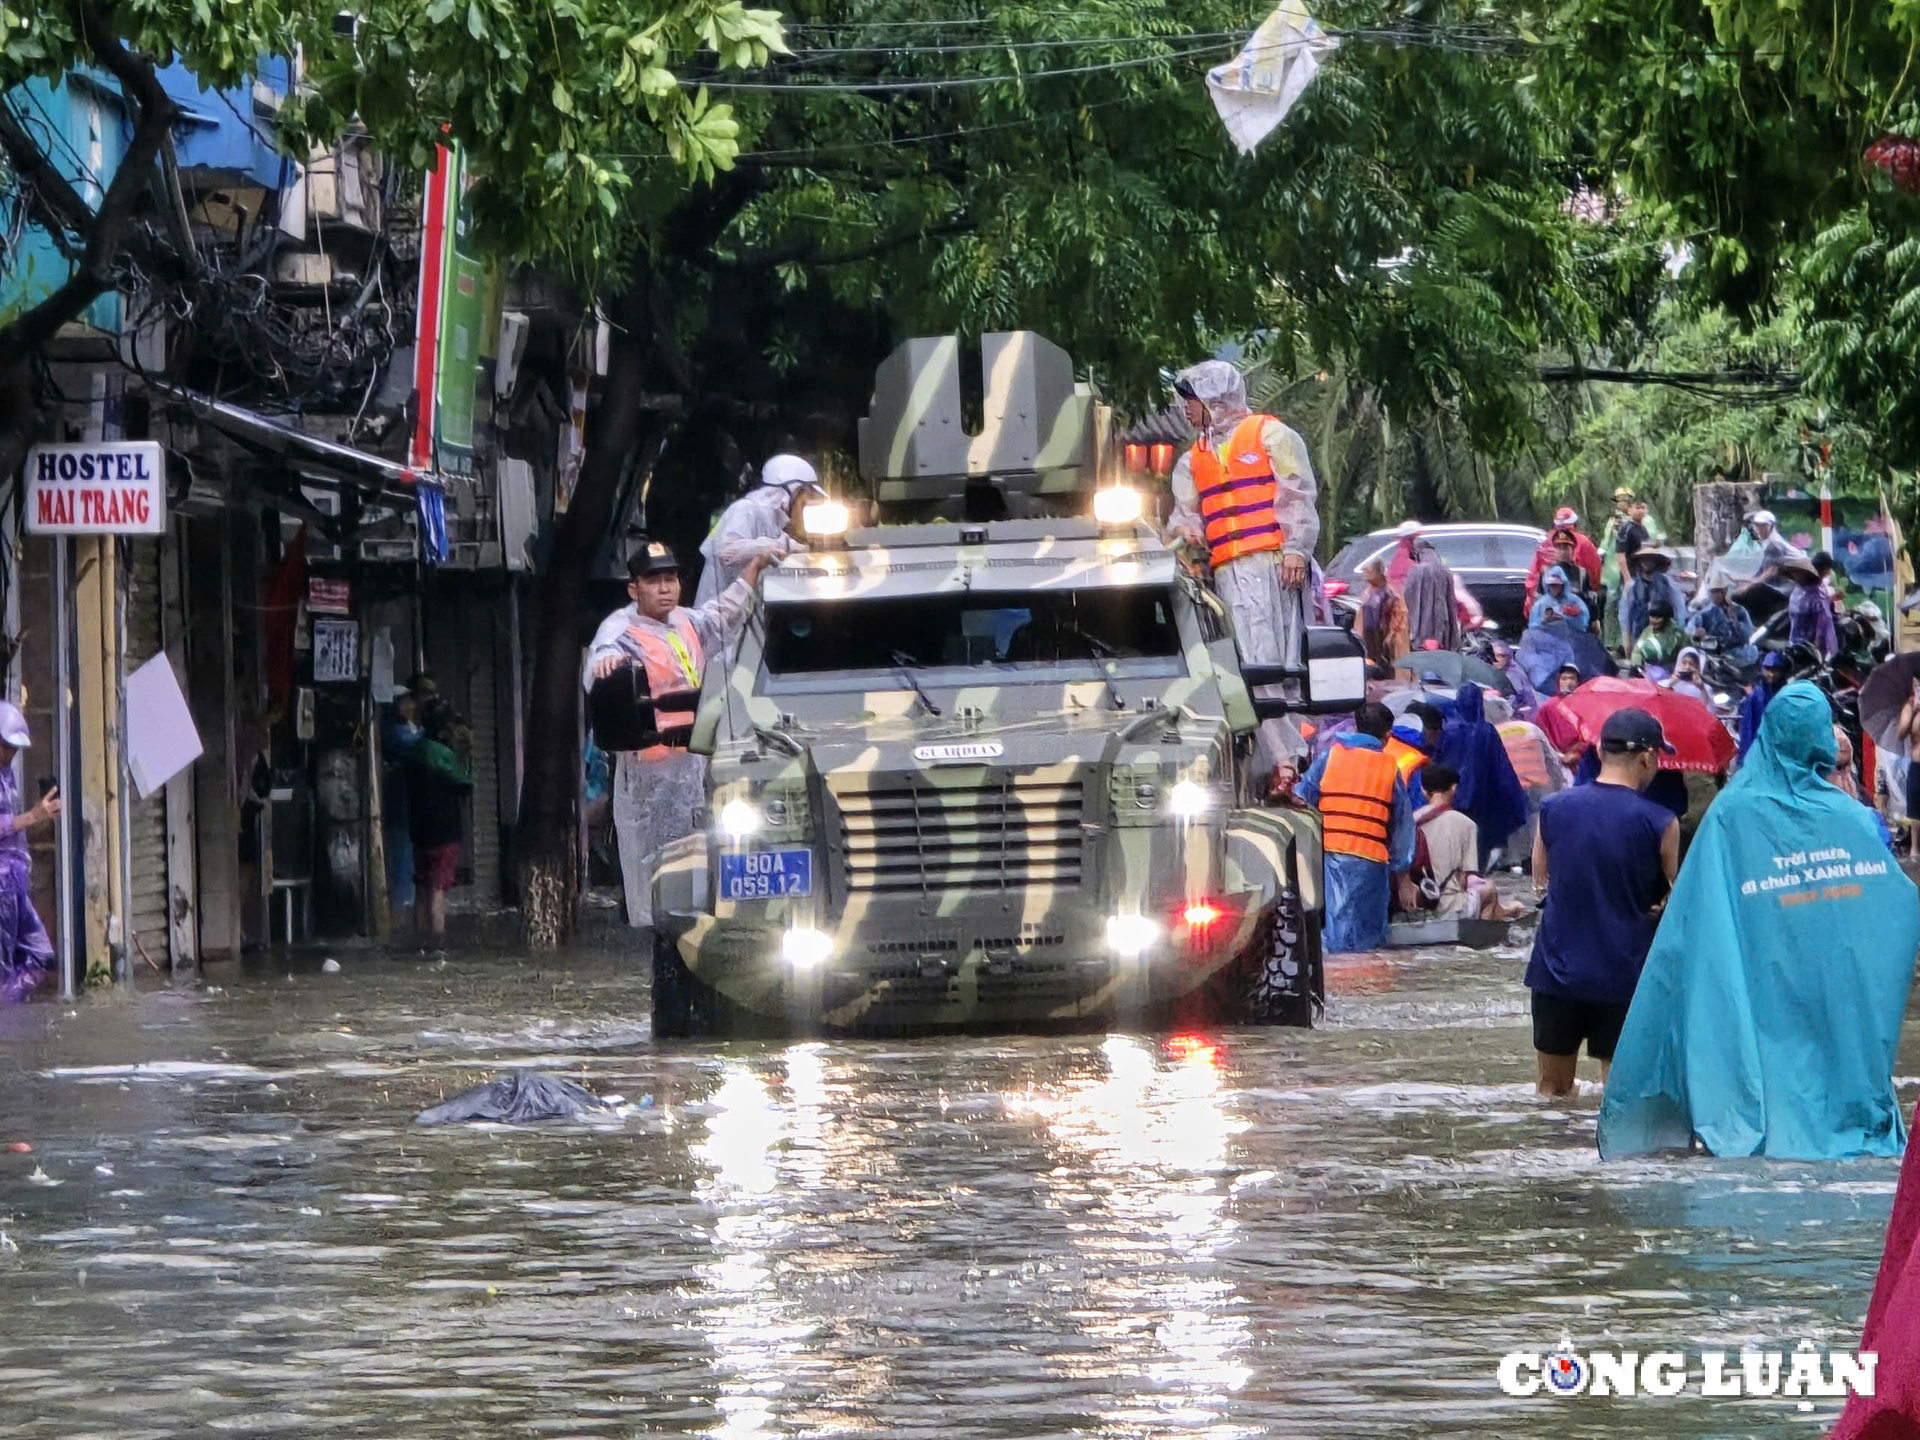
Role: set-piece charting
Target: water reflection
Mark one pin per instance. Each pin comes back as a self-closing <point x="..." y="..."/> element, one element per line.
<point x="1155" y="1129"/>
<point x="746" y="1322"/>
<point x="980" y="1237"/>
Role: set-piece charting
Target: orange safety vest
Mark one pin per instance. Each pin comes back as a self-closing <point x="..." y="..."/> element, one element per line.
<point x="1356" y="801"/>
<point x="1407" y="758"/>
<point x="1236" y="494"/>
<point x="674" y="665"/>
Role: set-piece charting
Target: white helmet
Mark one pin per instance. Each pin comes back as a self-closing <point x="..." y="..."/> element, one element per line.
<point x="788" y="471"/>
<point x="1762" y="517"/>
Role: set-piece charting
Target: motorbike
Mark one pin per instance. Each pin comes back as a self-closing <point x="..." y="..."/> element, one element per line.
<point x="1727" y="677"/>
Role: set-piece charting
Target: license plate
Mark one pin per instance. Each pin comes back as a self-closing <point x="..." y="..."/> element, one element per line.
<point x="766" y="874"/>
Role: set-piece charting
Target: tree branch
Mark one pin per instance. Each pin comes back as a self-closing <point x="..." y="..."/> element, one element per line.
<point x="93" y="276"/>
<point x="807" y="252"/>
<point x="56" y="204"/>
<point x="666" y="344"/>
<point x="894" y="242"/>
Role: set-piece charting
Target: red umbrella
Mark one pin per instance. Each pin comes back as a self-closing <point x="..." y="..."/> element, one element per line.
<point x="1699" y="740"/>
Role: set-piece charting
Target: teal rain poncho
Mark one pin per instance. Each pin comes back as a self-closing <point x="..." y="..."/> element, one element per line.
<point x="1767" y="1015"/>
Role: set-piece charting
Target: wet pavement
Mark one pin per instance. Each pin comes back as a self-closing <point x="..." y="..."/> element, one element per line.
<point x="227" y="1224"/>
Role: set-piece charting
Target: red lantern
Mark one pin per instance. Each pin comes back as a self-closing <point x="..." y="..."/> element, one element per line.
<point x="1898" y="157"/>
<point x="1163" y="459"/>
<point x="1136" y="458"/>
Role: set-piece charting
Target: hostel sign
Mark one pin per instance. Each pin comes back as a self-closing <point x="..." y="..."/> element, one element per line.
<point x="108" y="487"/>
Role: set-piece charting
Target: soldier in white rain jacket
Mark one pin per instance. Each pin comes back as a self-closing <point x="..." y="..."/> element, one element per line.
<point x="756" y="524"/>
<point x="656" y="790"/>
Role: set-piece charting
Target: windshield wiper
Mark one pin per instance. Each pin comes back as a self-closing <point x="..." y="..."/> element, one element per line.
<point x="1105" y="652"/>
<point x="779" y="740"/>
<point x="907" y="664"/>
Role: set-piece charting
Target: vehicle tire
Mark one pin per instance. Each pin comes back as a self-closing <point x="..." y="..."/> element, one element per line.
<point x="1277" y="980"/>
<point x="684" y="1006"/>
<point x="1287" y="984"/>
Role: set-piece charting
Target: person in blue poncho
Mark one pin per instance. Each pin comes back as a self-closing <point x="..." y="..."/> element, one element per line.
<point x="1490" y="793"/>
<point x="1556" y="602"/>
<point x="1774" y="670"/>
<point x="1766" y="1018"/>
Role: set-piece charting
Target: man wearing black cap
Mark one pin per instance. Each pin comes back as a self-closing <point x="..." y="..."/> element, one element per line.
<point x="1606" y="856"/>
<point x="655" y="790"/>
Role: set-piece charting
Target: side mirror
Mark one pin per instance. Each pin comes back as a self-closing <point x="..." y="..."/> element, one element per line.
<point x="1334" y="681"/>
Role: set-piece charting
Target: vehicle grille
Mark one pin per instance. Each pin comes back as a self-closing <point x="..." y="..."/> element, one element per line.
<point x="918" y="839"/>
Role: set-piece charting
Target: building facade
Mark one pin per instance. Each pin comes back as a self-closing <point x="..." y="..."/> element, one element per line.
<point x="353" y="496"/>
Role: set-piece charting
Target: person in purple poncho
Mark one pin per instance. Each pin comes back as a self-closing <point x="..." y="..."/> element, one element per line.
<point x="26" y="951"/>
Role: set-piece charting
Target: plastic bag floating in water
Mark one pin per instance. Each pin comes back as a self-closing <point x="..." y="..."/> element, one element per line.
<point x="518" y="1099"/>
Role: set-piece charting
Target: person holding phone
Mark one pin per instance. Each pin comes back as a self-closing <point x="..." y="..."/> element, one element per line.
<point x="26" y="950"/>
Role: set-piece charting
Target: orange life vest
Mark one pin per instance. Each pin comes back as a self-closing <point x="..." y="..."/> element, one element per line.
<point x="1406" y="758"/>
<point x="1235" y="492"/>
<point x="1356" y="801"/>
<point x="674" y="665"/>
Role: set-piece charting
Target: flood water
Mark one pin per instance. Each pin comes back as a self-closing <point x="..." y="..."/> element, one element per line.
<point x="227" y="1224"/>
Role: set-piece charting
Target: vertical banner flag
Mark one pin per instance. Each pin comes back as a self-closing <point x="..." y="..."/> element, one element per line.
<point x="447" y="366"/>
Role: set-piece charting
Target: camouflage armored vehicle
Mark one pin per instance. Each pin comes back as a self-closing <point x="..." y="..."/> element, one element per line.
<point x="990" y="772"/>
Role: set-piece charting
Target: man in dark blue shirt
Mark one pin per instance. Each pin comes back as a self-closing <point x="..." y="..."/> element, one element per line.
<point x="1606" y="857"/>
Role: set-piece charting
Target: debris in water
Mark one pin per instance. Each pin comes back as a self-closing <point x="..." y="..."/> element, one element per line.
<point x="19" y="1147"/>
<point x="40" y="1177"/>
<point x="103" y="1169"/>
<point x="518" y="1099"/>
<point x="329" y="966"/>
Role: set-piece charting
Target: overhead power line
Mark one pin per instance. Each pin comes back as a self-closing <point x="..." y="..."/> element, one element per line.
<point x="1745" y="386"/>
<point x="1473" y="40"/>
<point x="946" y="82"/>
<point x="1062" y="42"/>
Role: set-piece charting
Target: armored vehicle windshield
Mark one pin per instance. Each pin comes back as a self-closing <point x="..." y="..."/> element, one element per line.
<point x="1007" y="628"/>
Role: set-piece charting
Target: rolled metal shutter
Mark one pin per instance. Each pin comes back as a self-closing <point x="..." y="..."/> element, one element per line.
<point x="148" y="832"/>
<point x="484" y="722"/>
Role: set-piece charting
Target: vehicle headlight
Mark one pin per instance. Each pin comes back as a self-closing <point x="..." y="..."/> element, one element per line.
<point x="739" y="819"/>
<point x="1188" y="800"/>
<point x="1131" y="935"/>
<point x="804" y="947"/>
<point x="824" y="517"/>
<point x="1117" y="505"/>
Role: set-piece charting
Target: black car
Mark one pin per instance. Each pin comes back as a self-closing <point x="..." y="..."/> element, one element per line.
<point x="1490" y="559"/>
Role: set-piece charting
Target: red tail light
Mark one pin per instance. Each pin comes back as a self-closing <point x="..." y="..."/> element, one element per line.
<point x="1336" y="587"/>
<point x="1204" y="924"/>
